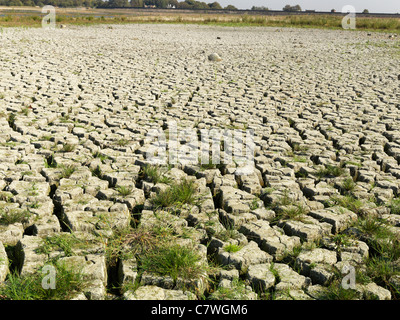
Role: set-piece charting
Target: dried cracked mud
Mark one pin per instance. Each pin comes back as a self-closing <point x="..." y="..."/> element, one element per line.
<point x="77" y="104"/>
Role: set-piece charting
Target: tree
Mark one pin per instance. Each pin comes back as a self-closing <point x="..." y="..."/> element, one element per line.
<point x="288" y="7"/>
<point x="365" y="11"/>
<point x="161" y="3"/>
<point x="262" y="8"/>
<point x="230" y="7"/>
<point x="296" y="8"/>
<point x="137" y="3"/>
<point x="215" y="5"/>
<point x="184" y="5"/>
<point x="118" y="3"/>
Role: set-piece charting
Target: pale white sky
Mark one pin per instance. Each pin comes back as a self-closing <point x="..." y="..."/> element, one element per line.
<point x="381" y="6"/>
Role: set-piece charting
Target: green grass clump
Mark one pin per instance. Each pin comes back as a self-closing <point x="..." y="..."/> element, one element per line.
<point x="299" y="159"/>
<point x="374" y="227"/>
<point x="100" y="156"/>
<point x="175" y="261"/>
<point x="29" y="287"/>
<point x="124" y="190"/>
<point x="177" y="194"/>
<point x="50" y="162"/>
<point x="238" y="291"/>
<point x="68" y="147"/>
<point x="330" y="171"/>
<point x="335" y="291"/>
<point x="46" y="138"/>
<point x="13" y="216"/>
<point x="122" y="142"/>
<point x="155" y="174"/>
<point x="291" y="212"/>
<point x="254" y="204"/>
<point x="232" y="248"/>
<point x="135" y="241"/>
<point x="348" y="185"/>
<point x="384" y="245"/>
<point x="96" y="172"/>
<point x="63" y="242"/>
<point x="67" y="170"/>
<point x="348" y="201"/>
<point x="395" y="206"/>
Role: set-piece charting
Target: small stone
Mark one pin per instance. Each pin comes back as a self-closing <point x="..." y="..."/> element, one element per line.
<point x="214" y="57"/>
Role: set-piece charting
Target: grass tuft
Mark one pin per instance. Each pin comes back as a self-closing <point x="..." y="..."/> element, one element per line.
<point x="155" y="174"/>
<point x="29" y="287"/>
<point x="174" y="261"/>
<point x="177" y="194"/>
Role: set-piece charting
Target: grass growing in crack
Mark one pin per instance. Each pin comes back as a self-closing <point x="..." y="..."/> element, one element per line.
<point x="25" y="111"/>
<point x="287" y="208"/>
<point x="174" y="261"/>
<point x="13" y="216"/>
<point x="347" y="201"/>
<point x="68" y="147"/>
<point x="129" y="242"/>
<point x="231" y="248"/>
<point x="96" y="172"/>
<point x="335" y="291"/>
<point x="395" y="206"/>
<point x="227" y="234"/>
<point x="330" y="171"/>
<point x="290" y="256"/>
<point x="122" y="142"/>
<point x="64" y="242"/>
<point x="299" y="148"/>
<point x="373" y="227"/>
<point x="299" y="159"/>
<point x="124" y="190"/>
<point x="50" y="162"/>
<point x="46" y="138"/>
<point x="301" y="174"/>
<point x="29" y="287"/>
<point x="100" y="156"/>
<point x="6" y="196"/>
<point x="285" y="199"/>
<point x="384" y="245"/>
<point x="238" y="291"/>
<point x="66" y="170"/>
<point x="348" y="185"/>
<point x="208" y="164"/>
<point x="254" y="204"/>
<point x="156" y="251"/>
<point x="34" y="205"/>
<point x="341" y="241"/>
<point x="177" y="194"/>
<point x="290" y="212"/>
<point x="155" y="174"/>
<point x="380" y="270"/>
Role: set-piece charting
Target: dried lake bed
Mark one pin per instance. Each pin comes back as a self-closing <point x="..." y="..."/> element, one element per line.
<point x="315" y="219"/>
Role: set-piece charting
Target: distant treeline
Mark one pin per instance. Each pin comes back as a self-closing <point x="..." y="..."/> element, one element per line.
<point x="163" y="4"/>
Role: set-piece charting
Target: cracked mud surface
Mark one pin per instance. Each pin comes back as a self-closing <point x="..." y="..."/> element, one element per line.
<point x="76" y="105"/>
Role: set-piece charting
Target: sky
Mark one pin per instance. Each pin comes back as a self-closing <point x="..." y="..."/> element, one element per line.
<point x="376" y="6"/>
